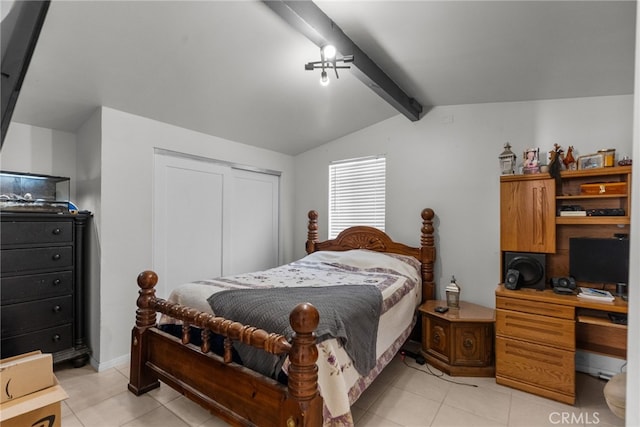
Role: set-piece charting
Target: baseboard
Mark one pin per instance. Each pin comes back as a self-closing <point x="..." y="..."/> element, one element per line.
<point x="113" y="363"/>
<point x="597" y="365"/>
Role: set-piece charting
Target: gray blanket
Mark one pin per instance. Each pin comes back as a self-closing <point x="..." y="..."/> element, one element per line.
<point x="349" y="313"/>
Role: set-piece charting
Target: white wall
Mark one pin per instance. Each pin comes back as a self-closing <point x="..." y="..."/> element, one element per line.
<point x="448" y="161"/>
<point x="89" y="173"/>
<point x="633" y="343"/>
<point x="114" y="180"/>
<point x="40" y="151"/>
<point x="125" y="228"/>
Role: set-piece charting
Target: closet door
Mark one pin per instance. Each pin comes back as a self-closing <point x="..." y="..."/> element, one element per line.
<point x="252" y="222"/>
<point x="187" y="221"/>
<point x="211" y="220"/>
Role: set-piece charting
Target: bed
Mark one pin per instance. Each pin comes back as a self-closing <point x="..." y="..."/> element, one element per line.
<point x="313" y="372"/>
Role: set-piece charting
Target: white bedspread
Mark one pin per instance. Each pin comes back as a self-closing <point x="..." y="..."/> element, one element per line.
<point x="397" y="277"/>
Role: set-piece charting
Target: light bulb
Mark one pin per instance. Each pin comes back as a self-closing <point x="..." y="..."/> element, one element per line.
<point x="324" y="79"/>
<point x="329" y="51"/>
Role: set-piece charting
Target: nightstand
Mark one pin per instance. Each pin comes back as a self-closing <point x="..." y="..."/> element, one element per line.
<point x="460" y="341"/>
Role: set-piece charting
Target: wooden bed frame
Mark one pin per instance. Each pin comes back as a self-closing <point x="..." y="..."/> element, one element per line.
<point x="233" y="392"/>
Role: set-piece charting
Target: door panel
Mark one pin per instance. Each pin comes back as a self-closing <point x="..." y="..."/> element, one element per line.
<point x="211" y="220"/>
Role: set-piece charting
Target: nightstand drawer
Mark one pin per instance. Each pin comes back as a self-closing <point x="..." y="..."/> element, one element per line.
<point x="28" y="232"/>
<point x="436" y="339"/>
<point x="19" y="260"/>
<point x="48" y="340"/>
<point x="36" y="286"/>
<point x="472" y="344"/>
<point x="31" y="316"/>
<point x="536" y="365"/>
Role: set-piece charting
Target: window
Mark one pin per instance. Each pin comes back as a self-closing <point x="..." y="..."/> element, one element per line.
<point x="356" y="194"/>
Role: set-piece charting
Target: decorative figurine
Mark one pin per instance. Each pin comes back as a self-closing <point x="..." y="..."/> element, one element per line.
<point x="569" y="161"/>
<point x="507" y="160"/>
<point x="531" y="162"/>
<point x="555" y="164"/>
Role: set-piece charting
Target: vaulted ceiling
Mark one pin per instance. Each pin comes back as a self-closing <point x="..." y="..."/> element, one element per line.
<point x="235" y="69"/>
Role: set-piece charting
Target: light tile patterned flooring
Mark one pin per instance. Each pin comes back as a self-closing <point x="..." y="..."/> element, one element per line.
<point x="405" y="394"/>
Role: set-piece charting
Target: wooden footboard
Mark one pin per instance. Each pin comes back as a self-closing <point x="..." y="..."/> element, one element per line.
<point x="233" y="392"/>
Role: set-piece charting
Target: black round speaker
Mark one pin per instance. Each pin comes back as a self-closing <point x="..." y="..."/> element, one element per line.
<point x="530" y="269"/>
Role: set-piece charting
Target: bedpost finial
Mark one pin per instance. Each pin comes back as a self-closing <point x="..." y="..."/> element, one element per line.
<point x="427" y="214"/>
<point x="147" y="279"/>
<point x="304" y="318"/>
<point x="313" y="215"/>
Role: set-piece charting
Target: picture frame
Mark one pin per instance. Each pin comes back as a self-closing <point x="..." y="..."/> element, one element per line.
<point x="591" y="161"/>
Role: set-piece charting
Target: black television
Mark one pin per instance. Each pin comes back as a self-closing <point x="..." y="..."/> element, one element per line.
<point x="599" y="260"/>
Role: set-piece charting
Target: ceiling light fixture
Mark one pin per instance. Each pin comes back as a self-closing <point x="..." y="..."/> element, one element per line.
<point x="328" y="59"/>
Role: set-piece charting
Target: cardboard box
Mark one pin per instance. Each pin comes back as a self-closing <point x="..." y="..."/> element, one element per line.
<point x="39" y="409"/>
<point x="25" y="374"/>
<point x="604" y="188"/>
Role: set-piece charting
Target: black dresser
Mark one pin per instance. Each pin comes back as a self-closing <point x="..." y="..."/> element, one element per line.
<point x="43" y="285"/>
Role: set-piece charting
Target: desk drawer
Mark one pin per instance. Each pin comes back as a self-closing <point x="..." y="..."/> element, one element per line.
<point x="50" y="340"/>
<point x="36" y="286"/>
<point x="29" y="232"/>
<point x="31" y="316"/>
<point x="19" y="260"/>
<point x="537" y="365"/>
<point x="535" y="328"/>
<point x="536" y="307"/>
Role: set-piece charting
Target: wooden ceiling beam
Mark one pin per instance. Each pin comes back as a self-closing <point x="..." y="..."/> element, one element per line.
<point x="307" y="18"/>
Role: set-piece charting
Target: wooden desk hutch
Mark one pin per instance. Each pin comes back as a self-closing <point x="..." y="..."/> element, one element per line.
<point x="538" y="331"/>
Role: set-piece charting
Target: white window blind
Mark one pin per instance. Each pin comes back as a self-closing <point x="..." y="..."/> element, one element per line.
<point x="356" y="194"/>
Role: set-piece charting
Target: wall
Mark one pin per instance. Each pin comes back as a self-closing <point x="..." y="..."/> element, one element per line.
<point x="114" y="179"/>
<point x="633" y="348"/>
<point x="89" y="174"/>
<point x="127" y="146"/>
<point x="449" y="161"/>
<point x="41" y="151"/>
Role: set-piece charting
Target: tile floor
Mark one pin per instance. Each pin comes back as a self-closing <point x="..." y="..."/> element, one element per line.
<point x="405" y="394"/>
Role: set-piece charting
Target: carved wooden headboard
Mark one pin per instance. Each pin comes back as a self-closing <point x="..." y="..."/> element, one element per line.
<point x="365" y="237"/>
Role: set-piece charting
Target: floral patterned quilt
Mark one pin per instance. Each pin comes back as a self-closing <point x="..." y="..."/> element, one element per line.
<point x="397" y="277"/>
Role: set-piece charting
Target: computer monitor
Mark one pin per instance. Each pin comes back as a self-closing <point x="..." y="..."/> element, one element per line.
<point x="599" y="260"/>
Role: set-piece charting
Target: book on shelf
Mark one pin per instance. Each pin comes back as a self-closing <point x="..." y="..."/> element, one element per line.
<point x="573" y="213"/>
<point x="595" y="294"/>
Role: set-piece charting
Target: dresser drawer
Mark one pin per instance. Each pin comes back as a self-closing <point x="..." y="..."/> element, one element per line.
<point x="29" y="232"/>
<point x="536" y="307"/>
<point x="19" y="260"/>
<point x="535" y="328"/>
<point x="536" y="365"/>
<point x="36" y="286"/>
<point x="48" y="340"/>
<point x="31" y="316"/>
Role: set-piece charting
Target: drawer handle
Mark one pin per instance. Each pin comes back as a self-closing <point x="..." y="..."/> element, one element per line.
<point x="57" y="309"/>
<point x="55" y="338"/>
<point x="468" y="343"/>
<point x="56" y="231"/>
<point x="56" y="257"/>
<point x="57" y="282"/>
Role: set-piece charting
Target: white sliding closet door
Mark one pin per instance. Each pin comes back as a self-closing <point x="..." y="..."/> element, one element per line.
<point x="253" y="222"/>
<point x="211" y="220"/>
